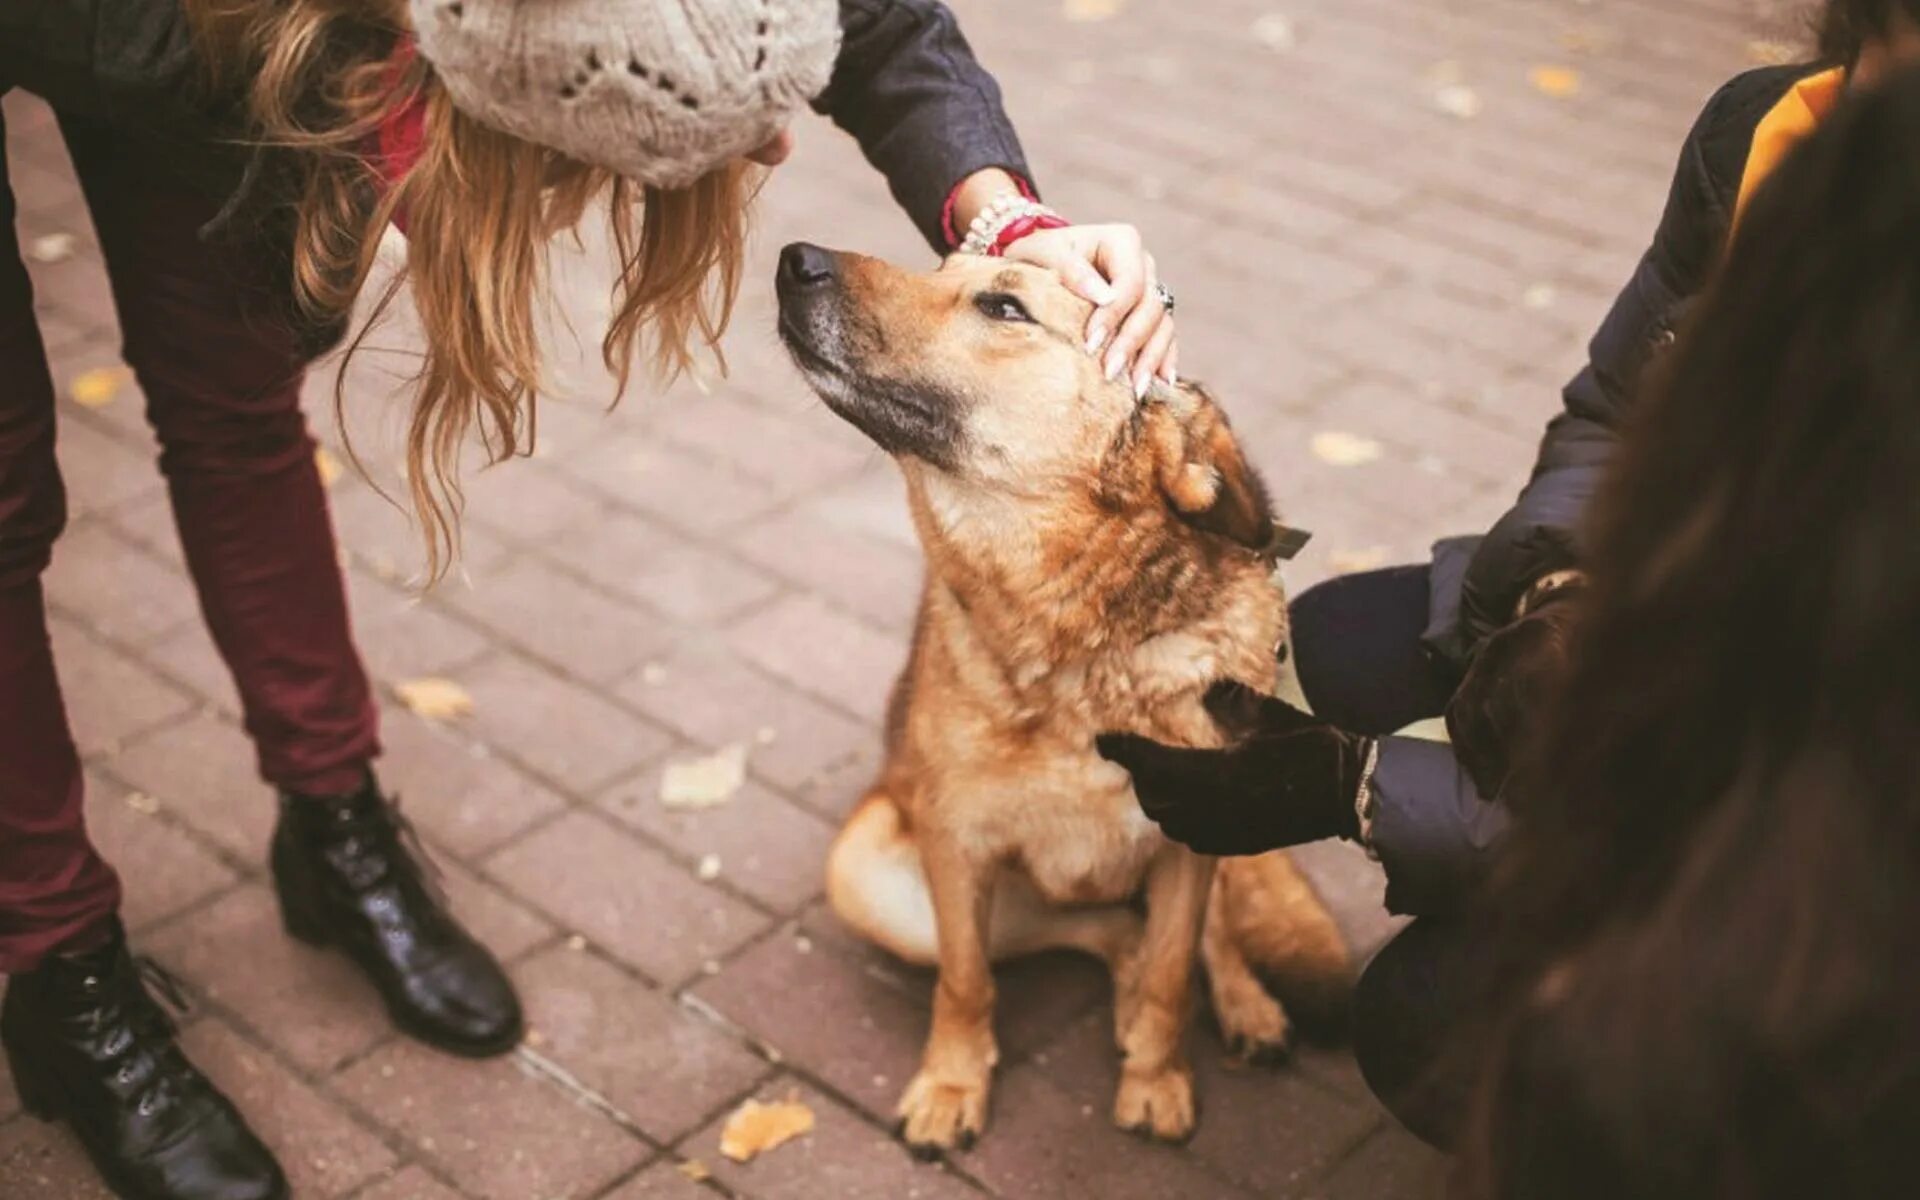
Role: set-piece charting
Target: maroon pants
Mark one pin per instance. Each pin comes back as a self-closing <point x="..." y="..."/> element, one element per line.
<point x="222" y="386"/>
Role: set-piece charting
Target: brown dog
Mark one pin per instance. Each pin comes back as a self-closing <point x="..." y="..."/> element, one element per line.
<point x="1093" y="564"/>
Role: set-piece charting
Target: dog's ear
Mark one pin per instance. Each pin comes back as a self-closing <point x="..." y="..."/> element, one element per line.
<point x="1201" y="470"/>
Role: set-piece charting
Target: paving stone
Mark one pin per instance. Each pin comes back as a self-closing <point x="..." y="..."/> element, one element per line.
<point x="626" y="896"/>
<point x="323" y="1150"/>
<point x="188" y="657"/>
<point x="685" y="489"/>
<point x="162" y="870"/>
<point x="662" y="1181"/>
<point x="101" y="472"/>
<point x="556" y="726"/>
<point x="312" y="1003"/>
<point x="498" y="1130"/>
<point x="706" y="692"/>
<point x="844" y="1157"/>
<point x="1390" y="1163"/>
<point x="115" y="587"/>
<point x="1045" y="1140"/>
<point x="401" y="637"/>
<point x="768" y="847"/>
<point x="110" y="697"/>
<point x="877" y="579"/>
<point x="789" y="454"/>
<point x="683" y="579"/>
<point x="412" y="1183"/>
<point x="44" y="1162"/>
<point x="456" y="790"/>
<point x="844" y="1013"/>
<point x="580" y="630"/>
<point x="811" y="646"/>
<point x="202" y="771"/>
<point x="656" y="1061"/>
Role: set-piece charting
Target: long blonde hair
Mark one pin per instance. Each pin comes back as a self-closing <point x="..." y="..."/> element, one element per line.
<point x="319" y="78"/>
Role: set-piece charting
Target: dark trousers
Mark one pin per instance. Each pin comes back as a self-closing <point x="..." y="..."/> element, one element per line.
<point x="223" y="395"/>
<point x="1357" y="648"/>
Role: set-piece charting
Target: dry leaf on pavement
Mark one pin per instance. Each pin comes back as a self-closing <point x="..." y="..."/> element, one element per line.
<point x="708" y="869"/>
<point x="98" y="387"/>
<point x="1090" y="10"/>
<point x="695" y="1170"/>
<point x="51" y="248"/>
<point x="329" y="466"/>
<point x="1344" y="449"/>
<point x="1457" y="100"/>
<point x="1275" y="31"/>
<point x="755" y="1128"/>
<point x="696" y="783"/>
<point x="1558" y="82"/>
<point x="435" y="699"/>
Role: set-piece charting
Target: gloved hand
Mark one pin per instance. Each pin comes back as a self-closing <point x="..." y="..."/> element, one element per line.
<point x="1518" y="670"/>
<point x="1284" y="779"/>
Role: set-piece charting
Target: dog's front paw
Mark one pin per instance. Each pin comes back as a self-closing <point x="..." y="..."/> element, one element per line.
<point x="938" y="1114"/>
<point x="1156" y="1104"/>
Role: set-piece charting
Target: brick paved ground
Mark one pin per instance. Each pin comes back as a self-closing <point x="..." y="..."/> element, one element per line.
<point x="694" y="568"/>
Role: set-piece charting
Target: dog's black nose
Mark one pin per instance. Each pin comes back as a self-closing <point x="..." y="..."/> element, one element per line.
<point x="805" y="265"/>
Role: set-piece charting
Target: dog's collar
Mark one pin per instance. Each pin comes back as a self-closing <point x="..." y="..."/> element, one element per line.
<point x="1285" y="544"/>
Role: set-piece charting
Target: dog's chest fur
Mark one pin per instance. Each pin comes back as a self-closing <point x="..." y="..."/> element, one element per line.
<point x="1003" y="751"/>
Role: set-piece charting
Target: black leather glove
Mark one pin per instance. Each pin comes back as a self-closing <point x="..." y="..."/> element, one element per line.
<point x="1285" y="778"/>
<point x="1512" y="679"/>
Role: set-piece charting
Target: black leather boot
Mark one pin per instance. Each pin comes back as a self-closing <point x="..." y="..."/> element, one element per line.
<point x="88" y="1045"/>
<point x="350" y="875"/>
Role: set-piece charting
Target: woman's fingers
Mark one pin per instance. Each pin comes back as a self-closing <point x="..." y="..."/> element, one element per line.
<point x="1139" y="328"/>
<point x="1154" y="359"/>
<point x="1122" y="258"/>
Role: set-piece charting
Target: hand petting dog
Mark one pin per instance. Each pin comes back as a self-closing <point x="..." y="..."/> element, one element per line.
<point x="1284" y="779"/>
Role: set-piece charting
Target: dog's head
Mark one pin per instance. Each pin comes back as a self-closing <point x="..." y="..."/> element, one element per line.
<point x="978" y="373"/>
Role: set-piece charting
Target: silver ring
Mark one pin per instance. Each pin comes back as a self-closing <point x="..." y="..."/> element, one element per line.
<point x="1165" y="295"/>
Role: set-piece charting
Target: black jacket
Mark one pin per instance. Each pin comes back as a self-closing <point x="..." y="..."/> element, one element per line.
<point x="1432" y="832"/>
<point x="1485" y="577"/>
<point x="906" y="86"/>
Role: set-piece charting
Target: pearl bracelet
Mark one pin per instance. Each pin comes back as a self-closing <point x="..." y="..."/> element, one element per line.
<point x="983" y="235"/>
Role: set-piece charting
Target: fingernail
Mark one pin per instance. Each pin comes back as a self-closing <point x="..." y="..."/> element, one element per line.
<point x="1173" y="377"/>
<point x="1115" y="365"/>
<point x="1141" y="383"/>
<point x="1096" y="337"/>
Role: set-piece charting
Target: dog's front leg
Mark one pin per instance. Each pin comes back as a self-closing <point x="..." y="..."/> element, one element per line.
<point x="946" y="1104"/>
<point x="1156" y="1082"/>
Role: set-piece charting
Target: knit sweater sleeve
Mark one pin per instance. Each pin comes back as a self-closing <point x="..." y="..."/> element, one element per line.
<point x="923" y="109"/>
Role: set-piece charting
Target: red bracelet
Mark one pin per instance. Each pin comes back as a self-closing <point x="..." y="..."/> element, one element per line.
<point x="953" y="235"/>
<point x="1021" y="228"/>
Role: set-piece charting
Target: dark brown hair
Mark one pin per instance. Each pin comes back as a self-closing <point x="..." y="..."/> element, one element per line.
<point x="1846" y="25"/>
<point x="1708" y="928"/>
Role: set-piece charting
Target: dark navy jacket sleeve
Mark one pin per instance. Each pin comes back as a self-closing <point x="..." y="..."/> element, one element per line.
<point x="1540" y="533"/>
<point x="1432" y="832"/>
<point x="924" y="111"/>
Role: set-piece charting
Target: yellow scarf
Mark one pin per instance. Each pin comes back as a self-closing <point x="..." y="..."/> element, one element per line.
<point x="1798" y="114"/>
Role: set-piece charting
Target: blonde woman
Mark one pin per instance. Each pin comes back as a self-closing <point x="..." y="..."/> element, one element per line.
<point x="240" y="159"/>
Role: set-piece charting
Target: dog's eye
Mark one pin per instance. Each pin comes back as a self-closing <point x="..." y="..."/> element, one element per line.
<point x="999" y="306"/>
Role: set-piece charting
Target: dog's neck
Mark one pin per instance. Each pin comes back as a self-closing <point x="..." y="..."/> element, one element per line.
<point x="1049" y="587"/>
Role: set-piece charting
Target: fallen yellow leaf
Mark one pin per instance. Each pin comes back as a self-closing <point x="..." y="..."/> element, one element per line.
<point x="709" y="782"/>
<point x="1091" y="10"/>
<point x="1558" y="82"/>
<point x="1457" y="100"/>
<point x="435" y="699"/>
<point x="695" y="1170"/>
<point x="1767" y="52"/>
<point x="1350" y="562"/>
<point x="329" y="466"/>
<point x="1345" y="449"/>
<point x="98" y="387"/>
<point x="755" y="1128"/>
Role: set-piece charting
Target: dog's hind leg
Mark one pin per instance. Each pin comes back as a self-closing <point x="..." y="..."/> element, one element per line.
<point x="1265" y="922"/>
<point x="877" y="884"/>
<point x="1252" y="1023"/>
